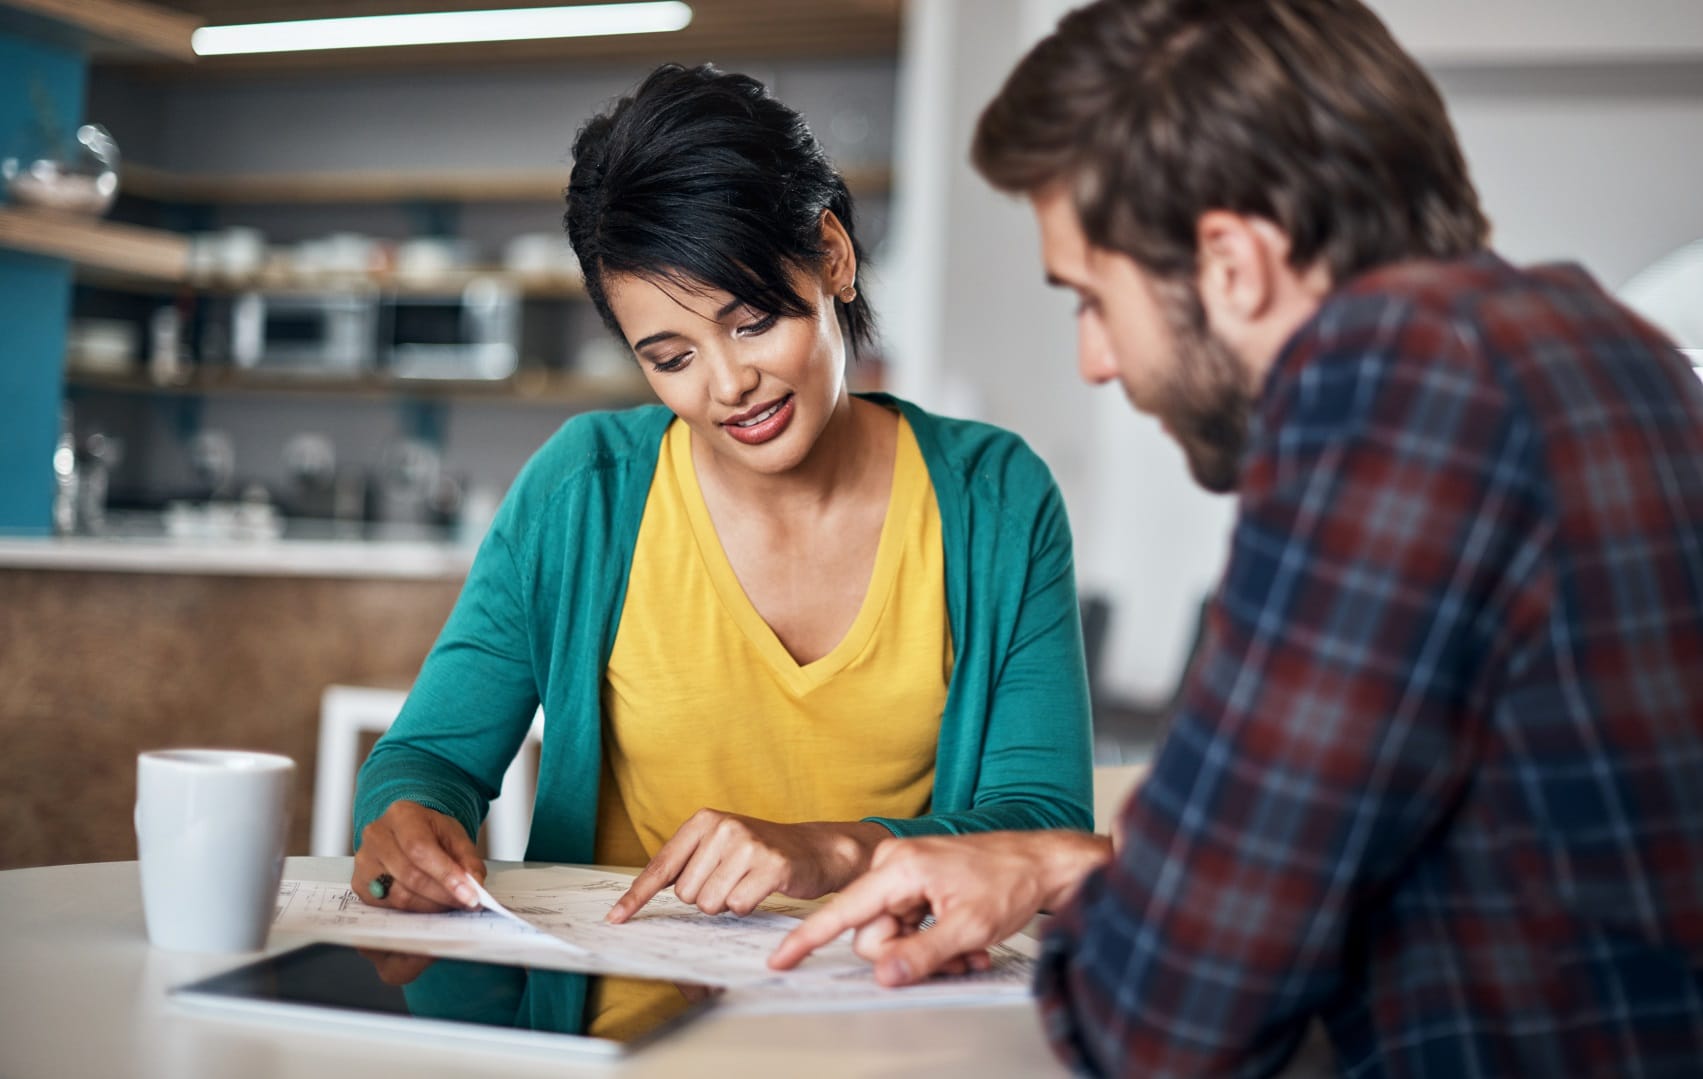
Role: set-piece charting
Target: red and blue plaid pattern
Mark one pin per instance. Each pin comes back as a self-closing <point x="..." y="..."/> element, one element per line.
<point x="1437" y="776"/>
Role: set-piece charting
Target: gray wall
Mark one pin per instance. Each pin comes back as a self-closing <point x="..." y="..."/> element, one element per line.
<point x="1596" y="162"/>
<point x="524" y="119"/>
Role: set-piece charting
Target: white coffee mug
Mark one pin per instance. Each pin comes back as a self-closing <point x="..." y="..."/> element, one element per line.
<point x="210" y="833"/>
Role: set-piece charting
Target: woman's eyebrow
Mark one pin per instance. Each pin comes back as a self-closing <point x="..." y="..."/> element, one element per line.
<point x="654" y="338"/>
<point x="727" y="309"/>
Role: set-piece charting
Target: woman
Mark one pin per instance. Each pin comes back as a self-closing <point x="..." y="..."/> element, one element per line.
<point x="833" y="618"/>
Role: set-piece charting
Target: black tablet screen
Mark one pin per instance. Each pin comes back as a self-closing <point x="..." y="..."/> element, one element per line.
<point x="343" y="979"/>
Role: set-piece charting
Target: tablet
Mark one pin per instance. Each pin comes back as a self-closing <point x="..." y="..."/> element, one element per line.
<point x="419" y="996"/>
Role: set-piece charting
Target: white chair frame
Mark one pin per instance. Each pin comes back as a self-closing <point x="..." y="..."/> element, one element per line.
<point x="345" y="713"/>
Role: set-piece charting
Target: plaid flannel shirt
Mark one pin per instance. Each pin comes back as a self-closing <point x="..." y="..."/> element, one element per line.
<point x="1437" y="774"/>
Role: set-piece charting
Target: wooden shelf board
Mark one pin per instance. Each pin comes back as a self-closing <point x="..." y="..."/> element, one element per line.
<point x="108" y="28"/>
<point x="450" y="284"/>
<point x="868" y="181"/>
<point x="101" y="245"/>
<point x="489" y="185"/>
<point x="119" y="281"/>
<point x="322" y="187"/>
<point x="528" y="388"/>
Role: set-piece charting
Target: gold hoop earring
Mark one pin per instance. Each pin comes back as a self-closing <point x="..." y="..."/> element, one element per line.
<point x="848" y="293"/>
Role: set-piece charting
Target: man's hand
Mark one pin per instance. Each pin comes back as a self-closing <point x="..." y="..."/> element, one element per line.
<point x="979" y="888"/>
<point x="427" y="857"/>
<point x="725" y="862"/>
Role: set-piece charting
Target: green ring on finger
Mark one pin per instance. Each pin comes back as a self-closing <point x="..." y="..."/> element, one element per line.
<point x="379" y="886"/>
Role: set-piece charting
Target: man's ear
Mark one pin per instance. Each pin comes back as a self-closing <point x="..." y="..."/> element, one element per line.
<point x="1236" y="267"/>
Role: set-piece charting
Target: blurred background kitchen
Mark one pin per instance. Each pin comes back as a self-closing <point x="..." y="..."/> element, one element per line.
<point x="278" y="328"/>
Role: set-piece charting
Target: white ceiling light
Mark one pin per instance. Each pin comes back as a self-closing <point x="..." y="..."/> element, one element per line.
<point x="443" y="27"/>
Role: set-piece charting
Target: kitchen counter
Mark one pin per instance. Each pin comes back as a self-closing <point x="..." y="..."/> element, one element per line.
<point x="139" y="545"/>
<point x="111" y="646"/>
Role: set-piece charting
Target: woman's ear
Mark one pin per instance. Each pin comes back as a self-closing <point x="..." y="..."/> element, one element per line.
<point x="839" y="261"/>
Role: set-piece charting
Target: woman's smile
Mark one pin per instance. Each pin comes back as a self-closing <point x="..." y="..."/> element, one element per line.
<point x="762" y="423"/>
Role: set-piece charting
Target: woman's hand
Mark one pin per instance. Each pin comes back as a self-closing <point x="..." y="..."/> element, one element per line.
<point x="396" y="968"/>
<point x="427" y="857"/>
<point x="725" y="862"/>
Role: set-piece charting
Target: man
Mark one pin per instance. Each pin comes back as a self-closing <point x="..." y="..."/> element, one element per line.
<point x="1436" y="777"/>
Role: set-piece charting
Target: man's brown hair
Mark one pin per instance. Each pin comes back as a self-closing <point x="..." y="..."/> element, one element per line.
<point x="1304" y="112"/>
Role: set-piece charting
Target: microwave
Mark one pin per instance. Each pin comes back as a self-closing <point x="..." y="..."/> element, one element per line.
<point x="316" y="334"/>
<point x="473" y="334"/>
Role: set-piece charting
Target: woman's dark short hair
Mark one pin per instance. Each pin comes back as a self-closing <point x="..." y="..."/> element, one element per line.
<point x="701" y="179"/>
<point x="1304" y="112"/>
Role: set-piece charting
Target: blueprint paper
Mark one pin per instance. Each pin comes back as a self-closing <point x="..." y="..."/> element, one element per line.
<point x="553" y="918"/>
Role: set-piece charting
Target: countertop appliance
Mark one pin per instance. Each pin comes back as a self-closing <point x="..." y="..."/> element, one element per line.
<point x="304" y="333"/>
<point x="472" y="334"/>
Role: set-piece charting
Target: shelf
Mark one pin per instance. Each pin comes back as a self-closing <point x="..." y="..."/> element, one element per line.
<point x="527" y="388"/>
<point x="107" y="28"/>
<point x="528" y="286"/>
<point x="328" y="187"/>
<point x="486" y="185"/>
<point x="122" y="251"/>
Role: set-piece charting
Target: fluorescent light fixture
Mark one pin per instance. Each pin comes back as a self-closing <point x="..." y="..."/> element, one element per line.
<point x="443" y="27"/>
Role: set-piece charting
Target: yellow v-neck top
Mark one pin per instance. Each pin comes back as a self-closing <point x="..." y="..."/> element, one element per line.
<point x="703" y="705"/>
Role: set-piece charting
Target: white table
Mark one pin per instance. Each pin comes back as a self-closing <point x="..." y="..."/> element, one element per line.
<point x="82" y="994"/>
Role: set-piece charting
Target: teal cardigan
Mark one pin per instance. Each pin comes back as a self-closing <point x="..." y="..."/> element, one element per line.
<point x="537" y="617"/>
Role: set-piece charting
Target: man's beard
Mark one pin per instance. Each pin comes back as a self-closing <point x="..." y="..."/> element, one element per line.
<point x="1207" y="402"/>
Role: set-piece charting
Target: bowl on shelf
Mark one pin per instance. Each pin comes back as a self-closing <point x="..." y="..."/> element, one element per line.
<point x="85" y="182"/>
<point x="249" y="519"/>
<point x="542" y="257"/>
<point x="431" y="260"/>
<point x="101" y="346"/>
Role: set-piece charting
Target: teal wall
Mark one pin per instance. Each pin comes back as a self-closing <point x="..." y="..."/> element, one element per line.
<point x="35" y="297"/>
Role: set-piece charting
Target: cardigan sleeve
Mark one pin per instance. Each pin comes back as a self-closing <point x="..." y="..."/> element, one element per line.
<point x="1035" y="760"/>
<point x="470" y="708"/>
